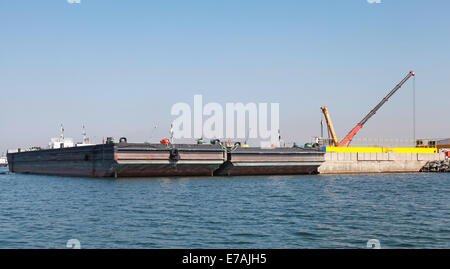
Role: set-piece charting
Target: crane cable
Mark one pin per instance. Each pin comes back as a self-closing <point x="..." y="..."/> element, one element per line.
<point x="414" y="109"/>
<point x="321" y="125"/>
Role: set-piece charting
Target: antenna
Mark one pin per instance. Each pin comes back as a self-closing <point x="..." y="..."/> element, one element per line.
<point x="171" y="133"/>
<point x="153" y="131"/>
<point x="83" y="133"/>
<point x="321" y="127"/>
<point x="279" y="137"/>
<point x="62" y="132"/>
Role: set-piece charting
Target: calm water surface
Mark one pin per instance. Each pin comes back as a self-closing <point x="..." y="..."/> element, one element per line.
<point x="336" y="211"/>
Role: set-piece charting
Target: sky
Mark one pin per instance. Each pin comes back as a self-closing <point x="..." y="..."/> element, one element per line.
<point x="118" y="66"/>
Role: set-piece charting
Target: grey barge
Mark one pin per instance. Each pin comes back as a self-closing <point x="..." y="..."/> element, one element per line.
<point x="271" y="161"/>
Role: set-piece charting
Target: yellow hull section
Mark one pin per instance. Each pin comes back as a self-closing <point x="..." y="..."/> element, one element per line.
<point x="381" y="150"/>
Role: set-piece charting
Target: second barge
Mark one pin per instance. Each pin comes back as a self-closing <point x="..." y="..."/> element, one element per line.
<point x="271" y="161"/>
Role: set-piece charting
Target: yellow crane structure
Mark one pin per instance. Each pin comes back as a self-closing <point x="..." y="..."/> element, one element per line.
<point x="330" y="125"/>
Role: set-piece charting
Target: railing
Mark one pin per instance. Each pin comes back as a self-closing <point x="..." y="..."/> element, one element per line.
<point x="382" y="142"/>
<point x="25" y="149"/>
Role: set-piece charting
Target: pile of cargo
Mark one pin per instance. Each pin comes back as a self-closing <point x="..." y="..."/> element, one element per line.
<point x="437" y="166"/>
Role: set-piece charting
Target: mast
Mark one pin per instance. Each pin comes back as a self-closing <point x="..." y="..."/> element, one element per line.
<point x="62" y="132"/>
<point x="85" y="138"/>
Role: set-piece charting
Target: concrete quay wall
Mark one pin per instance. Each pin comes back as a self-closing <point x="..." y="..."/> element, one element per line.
<point x="367" y="162"/>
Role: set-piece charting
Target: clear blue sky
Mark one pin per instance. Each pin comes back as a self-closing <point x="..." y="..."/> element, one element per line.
<point x="118" y="66"/>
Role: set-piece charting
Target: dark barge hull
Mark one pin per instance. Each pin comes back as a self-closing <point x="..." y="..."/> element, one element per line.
<point x="89" y="161"/>
<point x="153" y="160"/>
<point x="272" y="161"/>
<point x="156" y="160"/>
<point x="120" y="160"/>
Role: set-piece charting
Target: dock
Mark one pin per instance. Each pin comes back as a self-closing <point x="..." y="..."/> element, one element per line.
<point x="376" y="162"/>
<point x="380" y="156"/>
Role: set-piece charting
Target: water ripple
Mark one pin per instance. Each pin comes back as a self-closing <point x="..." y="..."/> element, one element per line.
<point x="336" y="211"/>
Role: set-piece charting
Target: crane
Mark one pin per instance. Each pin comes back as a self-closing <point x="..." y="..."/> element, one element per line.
<point x="354" y="131"/>
<point x="330" y="125"/>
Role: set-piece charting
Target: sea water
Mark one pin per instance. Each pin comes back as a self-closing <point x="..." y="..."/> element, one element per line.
<point x="320" y="211"/>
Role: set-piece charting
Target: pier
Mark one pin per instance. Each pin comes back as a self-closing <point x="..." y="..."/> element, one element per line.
<point x="376" y="162"/>
<point x="380" y="156"/>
